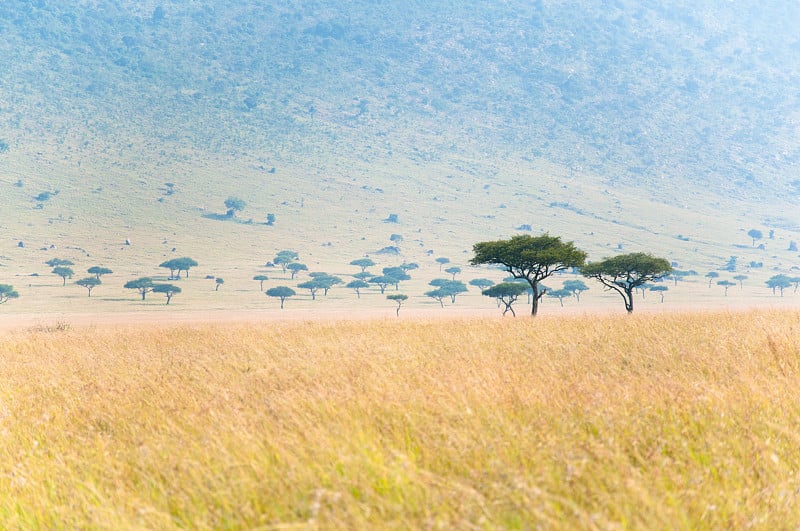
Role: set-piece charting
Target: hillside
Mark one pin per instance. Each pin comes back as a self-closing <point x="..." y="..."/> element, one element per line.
<point x="623" y="128"/>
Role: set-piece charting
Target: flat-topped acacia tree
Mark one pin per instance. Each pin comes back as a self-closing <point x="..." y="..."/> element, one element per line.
<point x="281" y="292"/>
<point x="64" y="272"/>
<point x="143" y="285"/>
<point x="399" y="298"/>
<point x="99" y="271"/>
<point x="626" y="272"/>
<point x="89" y="283"/>
<point x="167" y="289"/>
<point x="7" y="293"/>
<point x="363" y="263"/>
<point x="506" y="293"/>
<point x="531" y="258"/>
<point x="261" y="279"/>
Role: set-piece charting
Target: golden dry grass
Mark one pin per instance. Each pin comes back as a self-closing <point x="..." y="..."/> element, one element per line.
<point x="656" y="421"/>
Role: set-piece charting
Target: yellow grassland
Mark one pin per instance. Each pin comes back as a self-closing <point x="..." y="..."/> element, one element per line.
<point x="662" y="421"/>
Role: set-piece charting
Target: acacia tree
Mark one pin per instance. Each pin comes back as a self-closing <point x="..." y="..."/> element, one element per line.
<point x="143" y="285"/>
<point x="7" y="293"/>
<point x="167" y="289"/>
<point x="453" y="271"/>
<point x="296" y="267"/>
<point x="755" y="235"/>
<point x="98" y="271"/>
<point x="397" y="273"/>
<point x="89" y="283"/>
<point x="55" y="262"/>
<point x="780" y="282"/>
<point x="178" y="264"/>
<point x="450" y="288"/>
<point x="559" y="294"/>
<point x="64" y="273"/>
<point x="660" y="289"/>
<point x="383" y="281"/>
<point x="261" y="279"/>
<point x="234" y="205"/>
<point x="532" y="258"/>
<point x="284" y="258"/>
<point x="357" y="285"/>
<point x="726" y="284"/>
<point x="575" y="287"/>
<point x="281" y="292"/>
<point x="437" y="294"/>
<point x="399" y="298"/>
<point x="218" y="282"/>
<point x="711" y="275"/>
<point x="506" y="293"/>
<point x="740" y="279"/>
<point x="442" y="261"/>
<point x="363" y="263"/>
<point x="481" y="283"/>
<point x="626" y="272"/>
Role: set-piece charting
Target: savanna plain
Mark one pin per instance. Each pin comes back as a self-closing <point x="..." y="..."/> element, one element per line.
<point x="659" y="420"/>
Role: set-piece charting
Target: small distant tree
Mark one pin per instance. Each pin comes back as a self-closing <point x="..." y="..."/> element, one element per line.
<point x="711" y="275"/>
<point x="167" y="289"/>
<point x="796" y="282"/>
<point x="507" y="294"/>
<point x="559" y="294"/>
<point x="451" y="288"/>
<point x="98" y="271"/>
<point x="397" y="273"/>
<point x="89" y="283"/>
<point x="234" y="205"/>
<point x="64" y="273"/>
<point x="726" y="284"/>
<point x="142" y="285"/>
<point x="533" y="258"/>
<point x="326" y="281"/>
<point x="660" y="289"/>
<point x="575" y="287"/>
<point x="176" y="265"/>
<point x="437" y="294"/>
<point x="261" y="279"/>
<point x="7" y="293"/>
<point x="296" y="267"/>
<point x="172" y="265"/>
<point x="740" y="279"/>
<point x="357" y="285"/>
<point x="284" y="258"/>
<point x="755" y="235"/>
<point x="281" y="292"/>
<point x="779" y="282"/>
<point x="312" y="286"/>
<point x="396" y="238"/>
<point x="399" y="298"/>
<point x="383" y="281"/>
<point x="442" y="261"/>
<point x="363" y="263"/>
<point x="185" y="264"/>
<point x="55" y="262"/>
<point x="363" y="275"/>
<point x="270" y="219"/>
<point x="409" y="266"/>
<point x="453" y="271"/>
<point x="481" y="283"/>
<point x="218" y="282"/>
<point x="626" y="272"/>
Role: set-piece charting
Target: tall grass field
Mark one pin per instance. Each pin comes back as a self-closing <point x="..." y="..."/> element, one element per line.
<point x="661" y="421"/>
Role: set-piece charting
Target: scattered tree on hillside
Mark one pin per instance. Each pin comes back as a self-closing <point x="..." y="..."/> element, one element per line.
<point x="167" y="289"/>
<point x="397" y="273"/>
<point x="89" y="283"/>
<point x="98" y="271"/>
<point x="284" y="258"/>
<point x="442" y="261"/>
<point x="481" y="283"/>
<point x="711" y="275"/>
<point x="726" y="284"/>
<point x="409" y="266"/>
<point x="64" y="273"/>
<point x="312" y="286"/>
<point x="796" y="282"/>
<point x="507" y="293"/>
<point x="396" y="238"/>
<point x="270" y="219"/>
<point x="451" y="288"/>
<point x="755" y="235"/>
<point x="234" y="205"/>
<point x="218" y="282"/>
<point x="358" y="285"/>
<point x="178" y="264"/>
<point x="559" y="294"/>
<point x="261" y="279"/>
<point x="399" y="298"/>
<point x="363" y="263"/>
<point x="575" y="287"/>
<point x="326" y="281"/>
<point x="533" y="258"/>
<point x="779" y="282"/>
<point x="626" y="272"/>
<point x="383" y="281"/>
<point x="7" y="293"/>
<point x="660" y="289"/>
<point x="142" y="285"/>
<point x="438" y="294"/>
<point x="363" y="275"/>
<point x="55" y="262"/>
<point x="281" y="292"/>
<point x="740" y="279"/>
<point x="453" y="271"/>
<point x="296" y="267"/>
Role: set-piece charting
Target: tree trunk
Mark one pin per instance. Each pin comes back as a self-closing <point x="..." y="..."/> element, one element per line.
<point x="629" y="300"/>
<point x="535" y="303"/>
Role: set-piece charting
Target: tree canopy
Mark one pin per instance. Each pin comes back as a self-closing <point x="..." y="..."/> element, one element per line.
<point x="89" y="283"/>
<point x="626" y="272"/>
<point x="399" y="298"/>
<point x="64" y="272"/>
<point x="7" y="293"/>
<point x="363" y="263"/>
<point x="506" y="293"/>
<point x="99" y="271"/>
<point x="234" y="205"/>
<point x="779" y="282"/>
<point x="281" y="292"/>
<point x="261" y="279"/>
<point x="532" y="258"/>
<point x="167" y="289"/>
<point x="143" y="285"/>
<point x="178" y="264"/>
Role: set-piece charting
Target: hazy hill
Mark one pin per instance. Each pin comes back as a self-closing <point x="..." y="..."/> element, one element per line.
<point x="621" y="126"/>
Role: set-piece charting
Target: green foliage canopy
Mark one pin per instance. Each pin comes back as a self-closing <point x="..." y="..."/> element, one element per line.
<point x="626" y="272"/>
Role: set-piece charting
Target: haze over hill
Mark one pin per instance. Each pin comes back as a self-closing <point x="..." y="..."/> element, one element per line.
<point x="622" y="127"/>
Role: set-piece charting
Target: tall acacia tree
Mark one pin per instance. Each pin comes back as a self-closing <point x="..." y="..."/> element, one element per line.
<point x="626" y="272"/>
<point x="7" y="293"/>
<point x="532" y="258"/>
